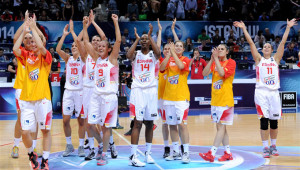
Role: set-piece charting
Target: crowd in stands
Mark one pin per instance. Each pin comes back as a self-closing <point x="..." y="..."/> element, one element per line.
<point x="137" y="10"/>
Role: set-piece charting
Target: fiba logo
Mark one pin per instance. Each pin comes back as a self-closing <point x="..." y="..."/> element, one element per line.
<point x="168" y="32"/>
<point x="292" y="33"/>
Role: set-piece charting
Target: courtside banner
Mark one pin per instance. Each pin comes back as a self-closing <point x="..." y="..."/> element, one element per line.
<point x="288" y="99"/>
<point x="183" y="29"/>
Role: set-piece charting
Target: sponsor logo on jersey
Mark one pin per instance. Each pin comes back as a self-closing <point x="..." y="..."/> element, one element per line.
<point x="153" y="114"/>
<point x="145" y="77"/>
<point x="100" y="82"/>
<point x="91" y="75"/>
<point x="218" y="84"/>
<point x="34" y="75"/>
<point x="173" y="79"/>
<point x="270" y="80"/>
<point x="74" y="80"/>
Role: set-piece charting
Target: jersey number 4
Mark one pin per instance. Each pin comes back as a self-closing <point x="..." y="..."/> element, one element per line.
<point x="145" y="66"/>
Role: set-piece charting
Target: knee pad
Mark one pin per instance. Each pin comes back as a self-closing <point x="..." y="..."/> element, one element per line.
<point x="264" y="123"/>
<point x="273" y="124"/>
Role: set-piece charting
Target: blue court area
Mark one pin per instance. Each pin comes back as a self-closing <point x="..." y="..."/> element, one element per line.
<point x="244" y="158"/>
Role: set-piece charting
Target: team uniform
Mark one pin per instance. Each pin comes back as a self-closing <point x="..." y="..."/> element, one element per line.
<point x="162" y="77"/>
<point x="176" y="95"/>
<point x="73" y="88"/>
<point x="222" y="102"/>
<point x="88" y="82"/>
<point x="35" y="98"/>
<point x="103" y="107"/>
<point x="19" y="80"/>
<point x="266" y="96"/>
<point x="143" y="96"/>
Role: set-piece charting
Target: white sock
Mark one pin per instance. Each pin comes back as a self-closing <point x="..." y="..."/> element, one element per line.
<point x="91" y="142"/>
<point x="186" y="147"/>
<point x="33" y="144"/>
<point x="265" y="143"/>
<point x="273" y="141"/>
<point x="133" y="149"/>
<point x="227" y="149"/>
<point x="46" y="154"/>
<point x="30" y="149"/>
<point x="111" y="139"/>
<point x="213" y="150"/>
<point x="101" y="144"/>
<point x="166" y="143"/>
<point x="175" y="146"/>
<point x="148" y="147"/>
<point x="17" y="142"/>
<point x="101" y="134"/>
<point x="86" y="134"/>
<point x="81" y="142"/>
<point x="69" y="140"/>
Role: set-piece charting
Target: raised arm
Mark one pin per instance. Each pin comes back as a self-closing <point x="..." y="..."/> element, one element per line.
<point x="40" y="32"/>
<point x="116" y="49"/>
<point x="80" y="45"/>
<point x="158" y="43"/>
<point x="173" y="30"/>
<point x="155" y="48"/>
<point x="17" y="44"/>
<point x="178" y="62"/>
<point x="164" y="64"/>
<point x="39" y="42"/>
<point x="254" y="52"/>
<point x="88" y="46"/>
<point x="131" y="52"/>
<point x="20" y="29"/>
<point x="206" y="70"/>
<point x="98" y="29"/>
<point x="280" y="50"/>
<point x="219" y="68"/>
<point x="59" y="51"/>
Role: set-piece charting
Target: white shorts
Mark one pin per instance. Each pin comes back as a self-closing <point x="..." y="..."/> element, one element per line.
<point x="143" y="103"/>
<point x="162" y="111"/>
<point x="176" y="111"/>
<point x="33" y="112"/>
<point x="268" y="104"/>
<point x="103" y="110"/>
<point x="87" y="94"/>
<point x="73" y="99"/>
<point x="17" y="96"/>
<point x="222" y="114"/>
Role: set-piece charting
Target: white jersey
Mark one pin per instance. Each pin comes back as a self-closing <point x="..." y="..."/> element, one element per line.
<point x="74" y="74"/>
<point x="145" y="70"/>
<point x="88" y="72"/>
<point x="267" y="74"/>
<point x="106" y="77"/>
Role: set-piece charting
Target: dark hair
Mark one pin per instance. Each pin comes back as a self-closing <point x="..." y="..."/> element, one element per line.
<point x="195" y="49"/>
<point x="1" y="49"/>
<point x="227" y="48"/>
<point x="203" y="30"/>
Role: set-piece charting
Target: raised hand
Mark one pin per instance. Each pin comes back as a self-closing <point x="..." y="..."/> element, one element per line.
<point x="158" y="24"/>
<point x="32" y="23"/>
<point x="91" y="16"/>
<point x="66" y="32"/>
<point x="291" y="23"/>
<point x="114" y="17"/>
<point x="214" y="53"/>
<point x="85" y="21"/>
<point x="150" y="29"/>
<point x="26" y="15"/>
<point x="172" y="47"/>
<point x="136" y="34"/>
<point x="173" y="24"/>
<point x="26" y="27"/>
<point x="239" y="24"/>
<point x="71" y="25"/>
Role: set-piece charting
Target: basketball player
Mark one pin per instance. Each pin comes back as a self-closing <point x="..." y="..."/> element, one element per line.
<point x="266" y="96"/>
<point x="103" y="109"/>
<point x="35" y="97"/>
<point x="18" y="86"/>
<point x="222" y="103"/>
<point x="143" y="97"/>
<point x="176" y="99"/>
<point x="72" y="98"/>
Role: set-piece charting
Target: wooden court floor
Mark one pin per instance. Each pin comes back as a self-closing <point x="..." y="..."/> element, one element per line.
<point x="243" y="132"/>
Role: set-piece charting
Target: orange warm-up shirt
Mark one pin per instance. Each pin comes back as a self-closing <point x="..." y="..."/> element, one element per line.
<point x="20" y="73"/>
<point x="176" y="88"/>
<point x="162" y="77"/>
<point x="221" y="88"/>
<point x="37" y="69"/>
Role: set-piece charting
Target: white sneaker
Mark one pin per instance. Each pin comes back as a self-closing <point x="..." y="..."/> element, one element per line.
<point x="134" y="161"/>
<point x="174" y="156"/>
<point x="148" y="158"/>
<point x="186" y="158"/>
